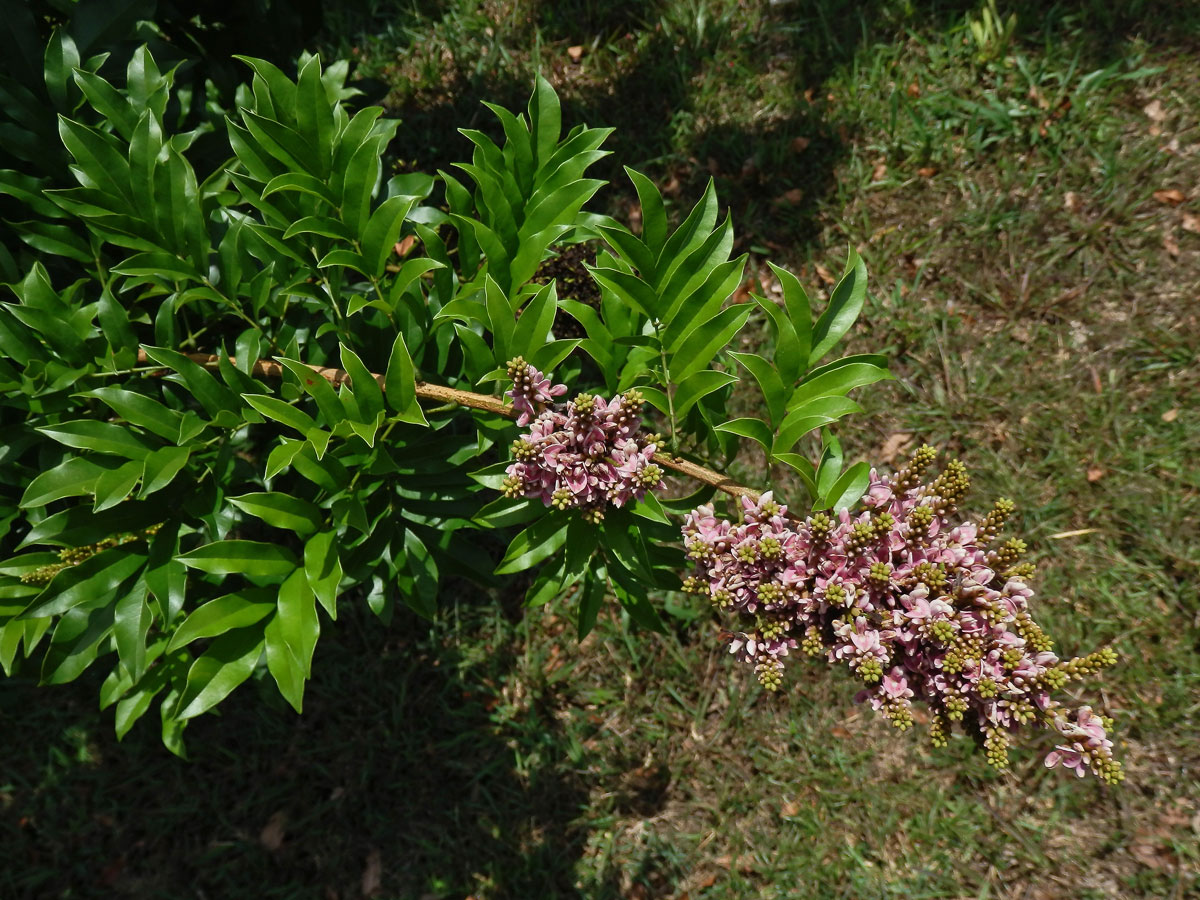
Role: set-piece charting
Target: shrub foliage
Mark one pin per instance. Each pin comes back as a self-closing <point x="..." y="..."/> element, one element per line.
<point x="237" y="395"/>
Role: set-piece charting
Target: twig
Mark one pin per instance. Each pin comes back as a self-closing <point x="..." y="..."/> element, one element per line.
<point x="442" y="394"/>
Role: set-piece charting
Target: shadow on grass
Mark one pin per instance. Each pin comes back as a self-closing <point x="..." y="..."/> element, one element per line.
<point x="400" y="762"/>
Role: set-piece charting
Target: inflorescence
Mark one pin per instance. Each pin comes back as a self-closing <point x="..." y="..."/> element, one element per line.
<point x="917" y="609"/>
<point x="585" y="454"/>
<point x="73" y="556"/>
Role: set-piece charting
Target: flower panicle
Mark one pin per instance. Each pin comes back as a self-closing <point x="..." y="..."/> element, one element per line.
<point x="587" y="454"/>
<point x="917" y="608"/>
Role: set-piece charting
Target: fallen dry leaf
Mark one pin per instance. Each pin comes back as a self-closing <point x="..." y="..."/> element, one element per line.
<point x="1147" y="849"/>
<point x="1170" y="196"/>
<point x="927" y="171"/>
<point x="742" y="294"/>
<point x="880" y="172"/>
<point x="744" y="863"/>
<point x="825" y="275"/>
<point x="839" y="732"/>
<point x="1170" y="244"/>
<point x="635" y="216"/>
<point x="800" y="144"/>
<point x="894" y="445"/>
<point x="914" y="90"/>
<point x="1191" y="223"/>
<point x="372" y="876"/>
<point x="271" y="836"/>
<point x="789" y="809"/>
<point x="1071" y="201"/>
<point x="1094" y="473"/>
<point x="1170" y="415"/>
<point x="1154" y="111"/>
<point x="576" y="53"/>
<point x="790" y="198"/>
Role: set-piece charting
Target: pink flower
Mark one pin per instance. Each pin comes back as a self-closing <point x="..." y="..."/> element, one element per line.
<point x="916" y="608"/>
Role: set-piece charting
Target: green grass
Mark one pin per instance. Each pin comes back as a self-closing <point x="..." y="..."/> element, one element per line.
<point x="1024" y="281"/>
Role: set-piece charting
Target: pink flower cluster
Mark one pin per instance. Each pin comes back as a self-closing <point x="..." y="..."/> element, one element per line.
<point x="917" y="609"/>
<point x="585" y="454"/>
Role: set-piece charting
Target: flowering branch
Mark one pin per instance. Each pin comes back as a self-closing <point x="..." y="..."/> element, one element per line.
<point x="483" y="402"/>
<point x="918" y="609"/>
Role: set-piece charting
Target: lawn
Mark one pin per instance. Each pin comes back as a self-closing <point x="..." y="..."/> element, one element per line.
<point x="1028" y="205"/>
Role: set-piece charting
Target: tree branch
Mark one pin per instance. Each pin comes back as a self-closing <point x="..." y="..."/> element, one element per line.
<point x="483" y="402"/>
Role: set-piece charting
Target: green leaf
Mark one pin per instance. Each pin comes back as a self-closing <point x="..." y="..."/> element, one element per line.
<point x="116" y="484"/>
<point x="698" y="385"/>
<point x="166" y="577"/>
<point x="533" y="327"/>
<point x="319" y="225"/>
<point x="301" y="182"/>
<point x="505" y="512"/>
<point x="281" y="457"/>
<point x="61" y="57"/>
<point x="500" y="315"/>
<point x="108" y="101"/>
<point x="847" y="490"/>
<point x="400" y="383"/>
<point x="628" y="288"/>
<point x="769" y="382"/>
<point x="99" y="160"/>
<point x="755" y="429"/>
<point x="168" y="265"/>
<point x="347" y="258"/>
<point x="323" y="569"/>
<point x="161" y="467"/>
<point x="590" y="600"/>
<point x="211" y="394"/>
<point x="422" y="598"/>
<point x="319" y="388"/>
<point x="274" y="408"/>
<point x="794" y="344"/>
<point x="548" y="356"/>
<point x="702" y="345"/>
<point x="802" y="467"/>
<point x="654" y="215"/>
<point x="844" y="307"/>
<point x="225" y="664"/>
<point x="131" y="625"/>
<point x="367" y="391"/>
<point x="102" y="437"/>
<point x="538" y="542"/>
<point x="92" y="581"/>
<point x="291" y="636"/>
<point x="115" y="325"/>
<point x="76" y="643"/>
<point x="382" y="231"/>
<point x="281" y="511"/>
<point x="138" y="409"/>
<point x="836" y="382"/>
<point x="545" y="119"/>
<point x="362" y="173"/>
<point x="223" y="614"/>
<point x="74" y="477"/>
<point x="314" y="112"/>
<point x="830" y="465"/>
<point x="245" y="557"/>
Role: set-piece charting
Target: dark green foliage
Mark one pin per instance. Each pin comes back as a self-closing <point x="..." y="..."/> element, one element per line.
<point x="182" y="494"/>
